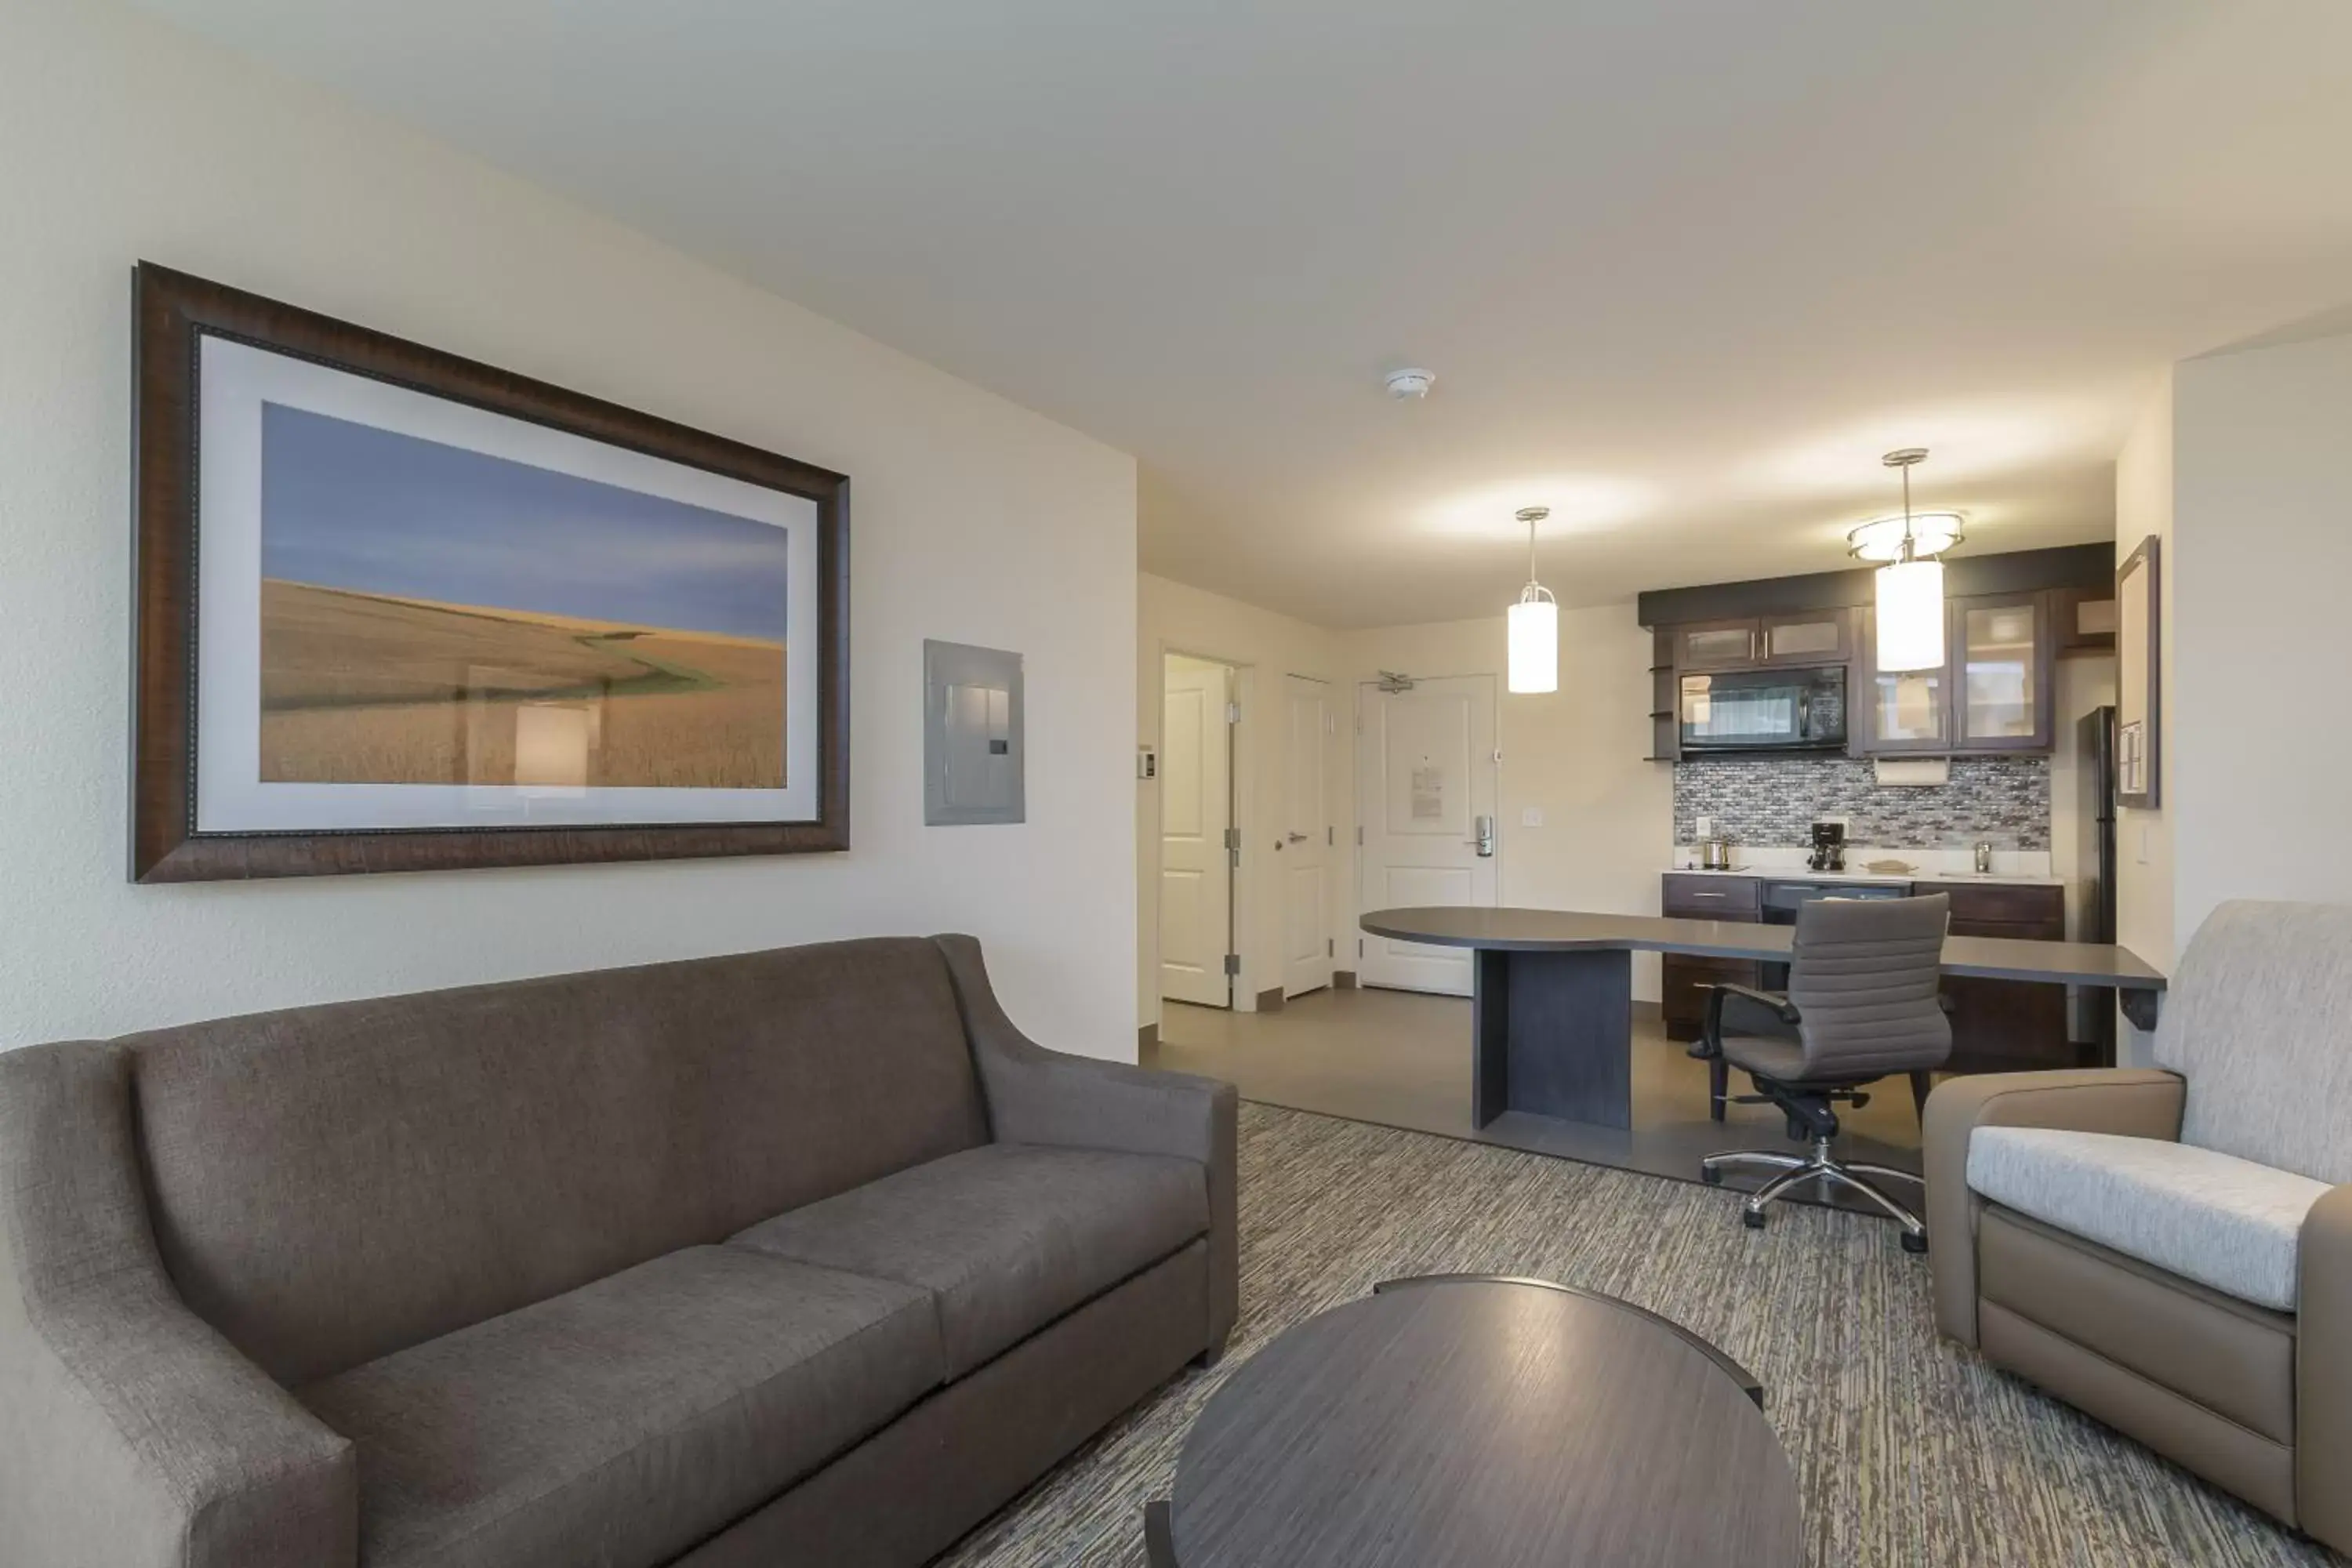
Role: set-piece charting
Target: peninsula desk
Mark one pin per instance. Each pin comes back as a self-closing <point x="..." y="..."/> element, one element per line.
<point x="1552" y="992"/>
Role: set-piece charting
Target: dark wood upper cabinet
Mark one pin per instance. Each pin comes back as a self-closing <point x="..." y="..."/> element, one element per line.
<point x="1809" y="637"/>
<point x="1816" y="636"/>
<point x="2002" y="675"/>
<point x="1717" y="645"/>
<point x="1891" y="712"/>
<point x="2083" y="620"/>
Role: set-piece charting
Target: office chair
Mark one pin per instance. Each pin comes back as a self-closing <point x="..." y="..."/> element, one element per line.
<point x="1863" y="1002"/>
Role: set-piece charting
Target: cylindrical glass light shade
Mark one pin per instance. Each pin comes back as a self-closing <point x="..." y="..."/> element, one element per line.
<point x="1533" y="646"/>
<point x="1911" y="616"/>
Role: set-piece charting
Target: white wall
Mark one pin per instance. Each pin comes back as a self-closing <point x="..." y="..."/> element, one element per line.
<point x="1174" y="618"/>
<point x="2262" y="557"/>
<point x="1575" y="754"/>
<point x="975" y="519"/>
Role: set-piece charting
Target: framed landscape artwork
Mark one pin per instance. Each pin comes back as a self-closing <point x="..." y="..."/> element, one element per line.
<point x="399" y="611"/>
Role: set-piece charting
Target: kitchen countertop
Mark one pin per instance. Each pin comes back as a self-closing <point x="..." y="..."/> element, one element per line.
<point x="1801" y="874"/>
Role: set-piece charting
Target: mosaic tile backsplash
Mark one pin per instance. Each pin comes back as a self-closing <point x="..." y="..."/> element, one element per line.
<point x="1767" y="801"/>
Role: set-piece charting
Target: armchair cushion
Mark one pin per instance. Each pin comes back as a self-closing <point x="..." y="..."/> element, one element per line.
<point x="2218" y="1220"/>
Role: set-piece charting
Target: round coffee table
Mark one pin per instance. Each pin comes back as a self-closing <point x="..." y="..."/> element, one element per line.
<point x="1474" y="1419"/>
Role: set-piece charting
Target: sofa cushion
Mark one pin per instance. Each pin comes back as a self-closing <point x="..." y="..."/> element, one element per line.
<point x="333" y="1183"/>
<point x="1008" y="1236"/>
<point x="2221" y="1221"/>
<point x="2256" y="1019"/>
<point x="620" y="1424"/>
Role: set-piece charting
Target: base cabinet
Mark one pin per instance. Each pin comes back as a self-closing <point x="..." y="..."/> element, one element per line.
<point x="1998" y="1026"/>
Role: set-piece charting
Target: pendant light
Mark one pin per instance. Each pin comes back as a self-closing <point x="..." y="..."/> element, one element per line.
<point x="1911" y="585"/>
<point x="1534" y="624"/>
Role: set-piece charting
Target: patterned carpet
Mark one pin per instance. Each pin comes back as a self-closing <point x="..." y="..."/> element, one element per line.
<point x="1909" y="1451"/>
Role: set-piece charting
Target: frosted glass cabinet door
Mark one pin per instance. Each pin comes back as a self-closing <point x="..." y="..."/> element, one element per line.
<point x="2001" y="659"/>
<point x="1909" y="710"/>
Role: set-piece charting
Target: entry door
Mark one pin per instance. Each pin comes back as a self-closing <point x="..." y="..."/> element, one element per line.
<point x="1304" y="853"/>
<point x="1196" y="805"/>
<point x="1425" y="770"/>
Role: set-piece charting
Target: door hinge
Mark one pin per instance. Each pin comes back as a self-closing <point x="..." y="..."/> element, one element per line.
<point x="1233" y="713"/>
<point x="1330" y="837"/>
<point x="1359" y="838"/>
<point x="1330" y="948"/>
<point x="1360" y="947"/>
<point x="1232" y="963"/>
<point x="1232" y="838"/>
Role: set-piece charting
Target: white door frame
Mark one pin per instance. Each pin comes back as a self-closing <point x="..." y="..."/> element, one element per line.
<point x="1245" y="764"/>
<point x="1308" y="830"/>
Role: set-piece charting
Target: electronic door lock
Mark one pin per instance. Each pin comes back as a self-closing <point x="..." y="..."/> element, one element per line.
<point x="1484" y="842"/>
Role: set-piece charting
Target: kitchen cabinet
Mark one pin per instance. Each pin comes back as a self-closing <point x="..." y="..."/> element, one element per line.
<point x="1814" y="636"/>
<point x="1716" y="644"/>
<point x="1682" y="1000"/>
<point x="2007" y="1025"/>
<point x="1998" y="1026"/>
<point x="1896" y="711"/>
<point x="1995" y="691"/>
<point x="2083" y="620"/>
<point x="2002" y="673"/>
<point x="1796" y="637"/>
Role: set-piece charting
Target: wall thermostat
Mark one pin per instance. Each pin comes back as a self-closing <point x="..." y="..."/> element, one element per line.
<point x="1147" y="762"/>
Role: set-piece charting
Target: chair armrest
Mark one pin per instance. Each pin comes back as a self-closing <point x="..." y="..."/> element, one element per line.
<point x="2137" y="1102"/>
<point x="1037" y="1096"/>
<point x="1710" y="1045"/>
<point x="2322" y="1370"/>
<point x="133" y="1435"/>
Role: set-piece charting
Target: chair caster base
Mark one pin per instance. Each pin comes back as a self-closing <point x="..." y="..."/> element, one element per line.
<point x="1710" y="1175"/>
<point x="1752" y="1218"/>
<point x="1914" y="1243"/>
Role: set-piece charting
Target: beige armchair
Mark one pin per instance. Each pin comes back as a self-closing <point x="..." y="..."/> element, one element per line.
<point x="2171" y="1250"/>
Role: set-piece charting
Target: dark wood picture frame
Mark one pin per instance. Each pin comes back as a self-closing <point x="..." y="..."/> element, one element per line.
<point x="172" y="312"/>
<point x="2139" y="587"/>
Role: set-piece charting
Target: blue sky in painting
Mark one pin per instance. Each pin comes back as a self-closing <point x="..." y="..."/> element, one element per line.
<point x="345" y="505"/>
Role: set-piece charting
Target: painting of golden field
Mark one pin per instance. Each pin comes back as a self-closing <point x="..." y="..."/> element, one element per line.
<point x="373" y="689"/>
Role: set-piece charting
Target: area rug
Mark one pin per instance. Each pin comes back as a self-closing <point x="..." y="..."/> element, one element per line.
<point x="1908" y="1451"/>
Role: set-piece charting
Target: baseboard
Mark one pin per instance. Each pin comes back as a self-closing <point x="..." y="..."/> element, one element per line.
<point x="1147" y="1036"/>
<point x="1343" y="979"/>
<point x="1270" y="1000"/>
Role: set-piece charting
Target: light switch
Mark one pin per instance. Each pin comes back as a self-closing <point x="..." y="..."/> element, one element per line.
<point x="1531" y="816"/>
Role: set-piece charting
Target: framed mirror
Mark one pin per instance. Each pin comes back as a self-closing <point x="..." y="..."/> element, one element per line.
<point x="2138" y="677"/>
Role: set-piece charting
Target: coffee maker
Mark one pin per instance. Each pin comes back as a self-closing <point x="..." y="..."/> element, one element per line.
<point x="1828" y="846"/>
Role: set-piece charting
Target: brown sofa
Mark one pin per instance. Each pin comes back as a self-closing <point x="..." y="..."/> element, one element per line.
<point x="801" y="1257"/>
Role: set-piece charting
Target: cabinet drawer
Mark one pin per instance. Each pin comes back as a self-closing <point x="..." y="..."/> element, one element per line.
<point x="1682" y="1002"/>
<point x="1976" y="905"/>
<point x="2016" y="931"/>
<point x="1710" y="897"/>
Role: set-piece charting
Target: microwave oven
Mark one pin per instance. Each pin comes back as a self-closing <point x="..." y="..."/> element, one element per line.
<point x="1764" y="710"/>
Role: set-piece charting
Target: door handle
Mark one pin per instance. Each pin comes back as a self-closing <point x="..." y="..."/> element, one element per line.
<point x="1484" y="842"/>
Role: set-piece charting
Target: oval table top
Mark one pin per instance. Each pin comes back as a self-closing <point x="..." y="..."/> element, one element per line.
<point x="1570" y="930"/>
<point x="1505" y="1424"/>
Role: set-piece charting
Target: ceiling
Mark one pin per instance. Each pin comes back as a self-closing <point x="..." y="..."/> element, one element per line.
<point x="1684" y="268"/>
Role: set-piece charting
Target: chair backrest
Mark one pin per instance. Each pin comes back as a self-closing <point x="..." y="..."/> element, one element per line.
<point x="2259" y="1020"/>
<point x="1865" y="974"/>
<point x="334" y="1183"/>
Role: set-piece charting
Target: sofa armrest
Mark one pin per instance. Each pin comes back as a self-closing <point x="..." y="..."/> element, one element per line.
<point x="131" y="1434"/>
<point x="2322" y="1370"/>
<point x="2137" y="1102"/>
<point x="1037" y="1096"/>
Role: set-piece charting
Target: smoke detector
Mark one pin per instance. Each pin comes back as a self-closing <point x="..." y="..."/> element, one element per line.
<point x="1409" y="383"/>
